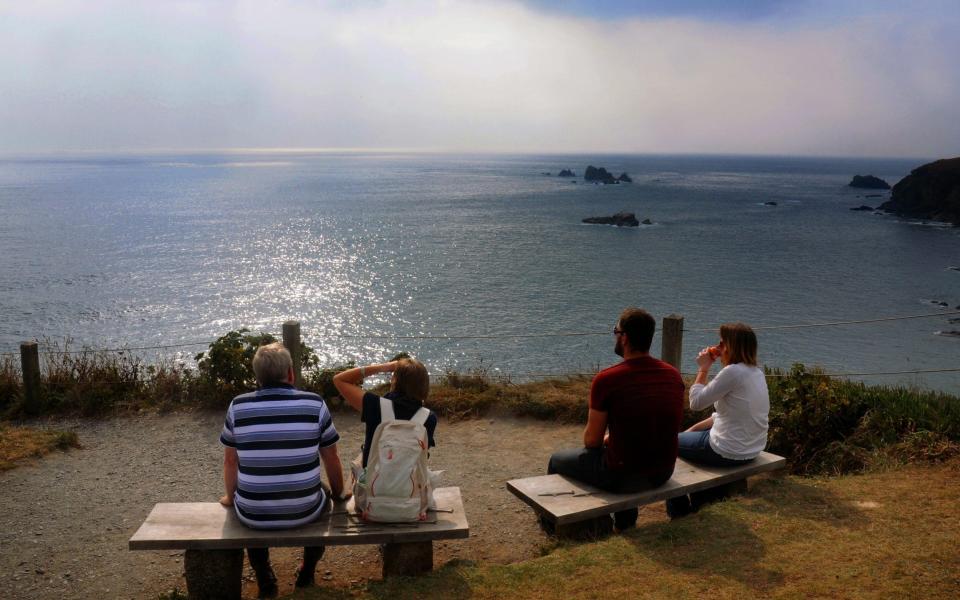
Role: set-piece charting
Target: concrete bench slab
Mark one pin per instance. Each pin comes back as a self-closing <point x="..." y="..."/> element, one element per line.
<point x="562" y="500"/>
<point x="213" y="538"/>
<point x="210" y="526"/>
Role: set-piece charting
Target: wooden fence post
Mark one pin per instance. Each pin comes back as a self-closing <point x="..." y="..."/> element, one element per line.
<point x="30" y="366"/>
<point x="671" y="348"/>
<point x="291" y="339"/>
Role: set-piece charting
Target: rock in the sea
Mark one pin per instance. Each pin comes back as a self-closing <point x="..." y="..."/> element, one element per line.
<point x="647" y="222"/>
<point x="869" y="182"/>
<point x="931" y="191"/>
<point x="950" y="332"/>
<point x="547" y="173"/>
<point x="621" y="219"/>
<point x="566" y="173"/>
<point x="862" y="207"/>
<point x="770" y="203"/>
<point x="599" y="175"/>
<point x="624" y="178"/>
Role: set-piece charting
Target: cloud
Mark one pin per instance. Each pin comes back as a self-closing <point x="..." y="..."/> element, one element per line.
<point x="474" y="76"/>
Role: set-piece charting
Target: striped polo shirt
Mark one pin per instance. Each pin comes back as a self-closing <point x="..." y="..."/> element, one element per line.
<point x="278" y="432"/>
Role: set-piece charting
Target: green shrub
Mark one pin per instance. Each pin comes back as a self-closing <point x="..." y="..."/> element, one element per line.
<point x="227" y="367"/>
<point x="320" y="381"/>
<point x="825" y="425"/>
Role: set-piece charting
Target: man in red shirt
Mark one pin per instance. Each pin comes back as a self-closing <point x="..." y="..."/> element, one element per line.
<point x="636" y="406"/>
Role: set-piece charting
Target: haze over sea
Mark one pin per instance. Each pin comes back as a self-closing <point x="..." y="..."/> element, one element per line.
<point x="151" y="250"/>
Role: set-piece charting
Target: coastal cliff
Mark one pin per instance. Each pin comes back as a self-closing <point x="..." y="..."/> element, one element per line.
<point x="931" y="191"/>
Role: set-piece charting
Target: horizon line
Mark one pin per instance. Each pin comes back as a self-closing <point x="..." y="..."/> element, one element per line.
<point x="7" y="154"/>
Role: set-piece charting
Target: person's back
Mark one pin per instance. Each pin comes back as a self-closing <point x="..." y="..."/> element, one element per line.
<point x="635" y="410"/>
<point x="643" y="398"/>
<point x="278" y="432"/>
<point x="275" y="440"/>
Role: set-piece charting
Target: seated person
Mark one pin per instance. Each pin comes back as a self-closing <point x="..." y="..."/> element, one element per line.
<point x="409" y="388"/>
<point x="274" y="442"/>
<point x="636" y="407"/>
<point x="736" y="432"/>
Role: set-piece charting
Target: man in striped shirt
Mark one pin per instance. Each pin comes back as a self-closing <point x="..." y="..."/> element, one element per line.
<point x="274" y="441"/>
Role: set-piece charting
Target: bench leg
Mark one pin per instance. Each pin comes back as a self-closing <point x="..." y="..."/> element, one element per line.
<point x="213" y="574"/>
<point x="409" y="558"/>
<point x="737" y="488"/>
<point x="586" y="530"/>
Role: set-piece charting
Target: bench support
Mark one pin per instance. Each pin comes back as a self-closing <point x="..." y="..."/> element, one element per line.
<point x="409" y="558"/>
<point x="213" y="574"/>
<point x="590" y="529"/>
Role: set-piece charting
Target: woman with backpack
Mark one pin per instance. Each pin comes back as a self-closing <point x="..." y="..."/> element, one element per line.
<point x="397" y="416"/>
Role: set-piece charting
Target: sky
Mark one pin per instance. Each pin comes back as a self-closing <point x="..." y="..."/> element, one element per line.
<point x="801" y="77"/>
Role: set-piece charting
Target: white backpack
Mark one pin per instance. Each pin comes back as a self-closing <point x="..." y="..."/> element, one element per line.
<point x="395" y="487"/>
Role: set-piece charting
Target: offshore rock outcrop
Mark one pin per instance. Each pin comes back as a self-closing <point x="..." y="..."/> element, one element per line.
<point x="929" y="192"/>
<point x="621" y="219"/>
<point x="566" y="173"/>
<point x="599" y="175"/>
<point x="868" y="182"/>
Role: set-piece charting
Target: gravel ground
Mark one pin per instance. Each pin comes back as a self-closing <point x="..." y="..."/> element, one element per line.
<point x="66" y="518"/>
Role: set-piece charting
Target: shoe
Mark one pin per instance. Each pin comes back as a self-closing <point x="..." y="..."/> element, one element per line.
<point x="679" y="507"/>
<point x="304" y="578"/>
<point x="266" y="583"/>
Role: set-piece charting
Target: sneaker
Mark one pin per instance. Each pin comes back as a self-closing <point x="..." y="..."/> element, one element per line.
<point x="304" y="578"/>
<point x="266" y="583"/>
<point x="270" y="591"/>
<point x="679" y="507"/>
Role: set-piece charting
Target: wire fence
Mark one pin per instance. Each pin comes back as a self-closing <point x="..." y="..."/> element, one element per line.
<point x="558" y="334"/>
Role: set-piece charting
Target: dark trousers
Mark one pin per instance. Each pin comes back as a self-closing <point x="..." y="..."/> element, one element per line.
<point x="260" y="557"/>
<point x="588" y="465"/>
<point x="260" y="560"/>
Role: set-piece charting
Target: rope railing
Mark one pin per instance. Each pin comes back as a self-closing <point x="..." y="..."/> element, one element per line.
<point x="502" y="335"/>
<point x="509" y="376"/>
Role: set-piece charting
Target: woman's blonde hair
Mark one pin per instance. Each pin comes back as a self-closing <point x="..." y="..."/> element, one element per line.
<point x="741" y="343"/>
<point x="411" y="379"/>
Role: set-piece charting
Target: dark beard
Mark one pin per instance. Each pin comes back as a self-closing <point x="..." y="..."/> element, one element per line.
<point x="618" y="348"/>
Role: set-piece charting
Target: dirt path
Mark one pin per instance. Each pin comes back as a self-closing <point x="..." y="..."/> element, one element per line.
<point x="66" y="519"/>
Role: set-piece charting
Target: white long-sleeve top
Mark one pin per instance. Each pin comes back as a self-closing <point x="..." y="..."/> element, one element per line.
<point x="742" y="405"/>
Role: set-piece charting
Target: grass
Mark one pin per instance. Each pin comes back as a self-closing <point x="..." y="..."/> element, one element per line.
<point x="21" y="443"/>
<point x="880" y="535"/>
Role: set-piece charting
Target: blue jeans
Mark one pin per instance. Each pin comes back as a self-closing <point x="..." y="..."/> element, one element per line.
<point x="695" y="446"/>
<point x="587" y="465"/>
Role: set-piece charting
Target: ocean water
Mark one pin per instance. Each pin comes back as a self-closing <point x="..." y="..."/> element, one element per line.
<point x="378" y="253"/>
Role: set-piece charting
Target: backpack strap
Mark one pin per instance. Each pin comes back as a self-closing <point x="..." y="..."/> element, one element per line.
<point x="386" y="411"/>
<point x="421" y="416"/>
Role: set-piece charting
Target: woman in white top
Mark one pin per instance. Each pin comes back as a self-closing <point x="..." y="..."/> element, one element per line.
<point x="737" y="430"/>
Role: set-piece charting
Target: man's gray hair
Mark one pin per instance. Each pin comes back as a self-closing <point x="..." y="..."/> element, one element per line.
<point x="271" y="364"/>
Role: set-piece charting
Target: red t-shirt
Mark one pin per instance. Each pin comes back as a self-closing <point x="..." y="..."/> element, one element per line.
<point x="643" y="399"/>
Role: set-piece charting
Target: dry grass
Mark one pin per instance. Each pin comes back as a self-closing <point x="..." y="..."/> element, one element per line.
<point x="888" y="534"/>
<point x="20" y="443"/>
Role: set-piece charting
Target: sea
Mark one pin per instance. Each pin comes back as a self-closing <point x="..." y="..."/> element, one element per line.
<point x="475" y="262"/>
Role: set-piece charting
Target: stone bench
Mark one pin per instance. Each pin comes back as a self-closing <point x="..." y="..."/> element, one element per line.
<point x="572" y="508"/>
<point x="213" y="539"/>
